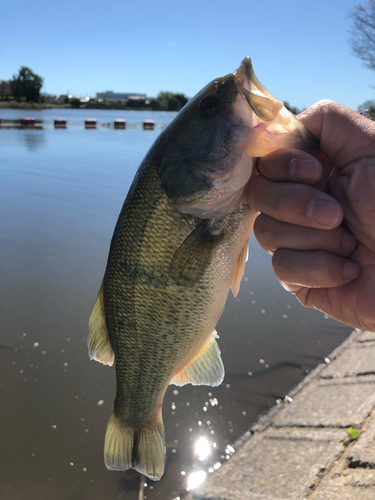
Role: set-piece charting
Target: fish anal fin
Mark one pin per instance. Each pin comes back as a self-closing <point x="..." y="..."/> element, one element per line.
<point x="193" y="256"/>
<point x="142" y="449"/>
<point x="98" y="341"/>
<point x="239" y="269"/>
<point x="206" y="368"/>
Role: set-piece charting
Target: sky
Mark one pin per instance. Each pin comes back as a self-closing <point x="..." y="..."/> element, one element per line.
<point x="300" y="49"/>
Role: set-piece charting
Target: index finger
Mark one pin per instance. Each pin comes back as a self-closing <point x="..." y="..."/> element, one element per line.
<point x="344" y="135"/>
<point x="294" y="165"/>
<point x="287" y="165"/>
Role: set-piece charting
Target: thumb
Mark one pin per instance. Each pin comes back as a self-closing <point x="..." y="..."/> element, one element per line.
<point x="345" y="136"/>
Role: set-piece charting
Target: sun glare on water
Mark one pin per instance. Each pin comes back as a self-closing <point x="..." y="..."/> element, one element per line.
<point x="195" y="479"/>
<point x="202" y="448"/>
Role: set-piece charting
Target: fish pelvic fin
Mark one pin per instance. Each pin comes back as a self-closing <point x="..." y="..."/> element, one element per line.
<point x="206" y="368"/>
<point x="142" y="449"/>
<point x="239" y="269"/>
<point x="98" y="341"/>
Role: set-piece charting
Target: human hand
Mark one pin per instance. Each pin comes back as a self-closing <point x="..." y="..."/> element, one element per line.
<point x="325" y="265"/>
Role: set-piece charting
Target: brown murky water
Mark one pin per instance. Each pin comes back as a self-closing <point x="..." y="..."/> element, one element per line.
<point x="60" y="195"/>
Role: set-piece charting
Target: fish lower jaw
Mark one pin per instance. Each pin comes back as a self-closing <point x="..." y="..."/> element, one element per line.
<point x="216" y="208"/>
<point x="226" y="193"/>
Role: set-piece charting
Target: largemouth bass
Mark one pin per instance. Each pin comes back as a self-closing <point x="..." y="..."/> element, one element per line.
<point x="179" y="245"/>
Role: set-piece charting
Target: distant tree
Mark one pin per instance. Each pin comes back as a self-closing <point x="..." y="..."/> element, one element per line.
<point x="5" y="89"/>
<point x="163" y="98"/>
<point x="26" y="85"/>
<point x="173" y="104"/>
<point x="170" y="101"/>
<point x="293" y="109"/>
<point x="154" y="104"/>
<point x="75" y="102"/>
<point x="362" y="33"/>
<point x="370" y="106"/>
<point x="182" y="99"/>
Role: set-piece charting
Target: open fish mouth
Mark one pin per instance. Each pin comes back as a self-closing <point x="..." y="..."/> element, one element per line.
<point x="277" y="127"/>
<point x="262" y="102"/>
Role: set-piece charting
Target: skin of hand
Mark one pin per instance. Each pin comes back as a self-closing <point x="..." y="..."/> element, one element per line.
<point x="317" y="215"/>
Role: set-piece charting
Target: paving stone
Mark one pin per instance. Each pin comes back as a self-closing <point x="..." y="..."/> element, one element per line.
<point x="277" y="464"/>
<point x="330" y="403"/>
<point x="366" y="337"/>
<point x="352" y="485"/>
<point x="356" y="360"/>
<point x="363" y="451"/>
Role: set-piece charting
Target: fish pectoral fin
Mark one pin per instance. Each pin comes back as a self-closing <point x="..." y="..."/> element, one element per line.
<point x="206" y="368"/>
<point x="239" y="269"/>
<point x="98" y="341"/>
<point x="142" y="448"/>
<point x="193" y="256"/>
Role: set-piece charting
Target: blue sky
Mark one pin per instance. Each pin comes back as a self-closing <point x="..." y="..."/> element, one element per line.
<point x="299" y="48"/>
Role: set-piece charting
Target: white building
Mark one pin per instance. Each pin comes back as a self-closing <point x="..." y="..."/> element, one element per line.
<point x="109" y="95"/>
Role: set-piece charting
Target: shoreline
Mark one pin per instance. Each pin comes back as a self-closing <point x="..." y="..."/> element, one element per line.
<point x="33" y="106"/>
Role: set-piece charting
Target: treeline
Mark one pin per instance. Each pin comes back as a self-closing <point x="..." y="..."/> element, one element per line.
<point x="168" y="101"/>
<point x="370" y="106"/>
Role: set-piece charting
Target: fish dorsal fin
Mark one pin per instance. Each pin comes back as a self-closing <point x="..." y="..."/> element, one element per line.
<point x="239" y="269"/>
<point x="98" y="341"/>
<point x="193" y="256"/>
<point x="206" y="368"/>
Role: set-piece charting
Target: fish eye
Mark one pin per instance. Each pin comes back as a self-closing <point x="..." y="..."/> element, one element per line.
<point x="210" y="105"/>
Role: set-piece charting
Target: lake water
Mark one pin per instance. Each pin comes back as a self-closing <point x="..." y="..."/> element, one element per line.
<point x="60" y="195"/>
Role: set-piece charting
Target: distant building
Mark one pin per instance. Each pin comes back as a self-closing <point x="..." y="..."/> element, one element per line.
<point x="50" y="98"/>
<point x="5" y="89"/>
<point x="109" y="95"/>
<point x="61" y="99"/>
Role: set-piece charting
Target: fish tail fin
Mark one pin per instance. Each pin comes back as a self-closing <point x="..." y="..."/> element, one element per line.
<point x="142" y="449"/>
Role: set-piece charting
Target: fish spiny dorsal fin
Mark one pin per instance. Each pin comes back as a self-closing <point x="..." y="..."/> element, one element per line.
<point x="206" y="368"/>
<point x="98" y="341"/>
<point x="193" y="256"/>
<point x="239" y="269"/>
<point x="142" y="448"/>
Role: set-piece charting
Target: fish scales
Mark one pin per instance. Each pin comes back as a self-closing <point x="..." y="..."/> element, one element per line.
<point x="152" y="317"/>
<point x="179" y="245"/>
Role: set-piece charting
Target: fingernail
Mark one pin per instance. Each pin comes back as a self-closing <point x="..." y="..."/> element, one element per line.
<point x="349" y="242"/>
<point x="304" y="169"/>
<point x="351" y="270"/>
<point x="324" y="212"/>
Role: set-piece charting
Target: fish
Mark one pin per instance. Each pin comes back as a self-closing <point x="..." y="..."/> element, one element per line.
<point x="179" y="245"/>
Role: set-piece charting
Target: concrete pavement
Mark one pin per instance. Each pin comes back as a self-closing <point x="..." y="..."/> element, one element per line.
<point x="302" y="449"/>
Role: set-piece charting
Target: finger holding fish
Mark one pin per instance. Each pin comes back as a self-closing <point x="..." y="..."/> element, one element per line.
<point x="299" y="204"/>
<point x="294" y="165"/>
<point x="273" y="234"/>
